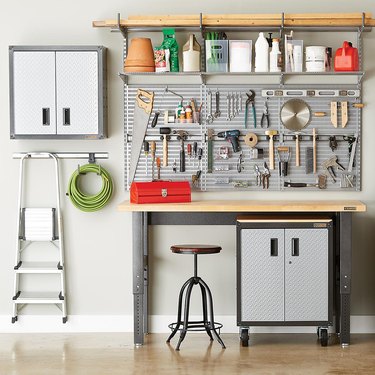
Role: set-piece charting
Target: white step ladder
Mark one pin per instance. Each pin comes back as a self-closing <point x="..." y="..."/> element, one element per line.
<point x="39" y="225"/>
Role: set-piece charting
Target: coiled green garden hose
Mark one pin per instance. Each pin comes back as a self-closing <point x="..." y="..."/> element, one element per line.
<point x="90" y="203"/>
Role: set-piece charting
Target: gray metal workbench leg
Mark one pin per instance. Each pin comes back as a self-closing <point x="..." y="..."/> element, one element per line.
<point x="345" y="275"/>
<point x="140" y="251"/>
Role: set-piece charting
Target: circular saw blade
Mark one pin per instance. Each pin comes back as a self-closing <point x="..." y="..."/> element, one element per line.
<point x="295" y="114"/>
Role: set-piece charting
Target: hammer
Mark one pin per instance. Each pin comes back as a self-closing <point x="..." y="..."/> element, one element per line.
<point x="181" y="136"/>
<point x="270" y="134"/>
<point x="165" y="138"/>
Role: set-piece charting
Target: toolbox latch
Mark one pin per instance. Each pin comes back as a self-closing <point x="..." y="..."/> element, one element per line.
<point x="164" y="192"/>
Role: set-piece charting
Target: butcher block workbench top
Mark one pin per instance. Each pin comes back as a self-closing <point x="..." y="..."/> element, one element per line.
<point x="248" y="206"/>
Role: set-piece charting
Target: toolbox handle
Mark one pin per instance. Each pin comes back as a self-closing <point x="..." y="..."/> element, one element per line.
<point x="274" y="247"/>
<point x="295" y="247"/>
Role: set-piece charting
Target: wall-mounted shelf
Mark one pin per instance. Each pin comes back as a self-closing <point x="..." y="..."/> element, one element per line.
<point x="217" y="78"/>
<point x="344" y="21"/>
<point x="225" y="173"/>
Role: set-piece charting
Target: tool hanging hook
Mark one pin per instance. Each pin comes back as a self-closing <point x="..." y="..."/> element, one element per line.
<point x="174" y="93"/>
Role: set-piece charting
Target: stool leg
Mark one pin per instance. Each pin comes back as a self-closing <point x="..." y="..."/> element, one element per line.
<point x="179" y="311"/>
<point x="212" y="320"/>
<point x="204" y="305"/>
<point x="186" y="313"/>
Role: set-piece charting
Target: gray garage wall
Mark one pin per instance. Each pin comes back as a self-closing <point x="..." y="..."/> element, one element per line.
<point x="98" y="245"/>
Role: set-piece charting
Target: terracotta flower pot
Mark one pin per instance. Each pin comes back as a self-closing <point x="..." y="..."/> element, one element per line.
<point x="140" y="56"/>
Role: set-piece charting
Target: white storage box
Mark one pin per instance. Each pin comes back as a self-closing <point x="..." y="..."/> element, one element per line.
<point x="240" y="54"/>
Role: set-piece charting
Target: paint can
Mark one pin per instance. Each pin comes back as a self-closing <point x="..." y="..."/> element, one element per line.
<point x="315" y="58"/>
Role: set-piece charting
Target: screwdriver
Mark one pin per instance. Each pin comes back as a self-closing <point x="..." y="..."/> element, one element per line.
<point x="189" y="151"/>
<point x="200" y="153"/>
<point x="195" y="150"/>
<point x="146" y="148"/>
<point x="153" y="151"/>
<point x="158" y="164"/>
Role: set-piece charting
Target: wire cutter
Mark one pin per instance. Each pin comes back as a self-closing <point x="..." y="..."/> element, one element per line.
<point x="250" y="101"/>
<point x="265" y="121"/>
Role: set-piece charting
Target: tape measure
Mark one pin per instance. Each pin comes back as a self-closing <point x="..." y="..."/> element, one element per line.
<point x="251" y="139"/>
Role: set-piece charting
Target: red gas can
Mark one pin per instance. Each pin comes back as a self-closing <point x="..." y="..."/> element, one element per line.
<point x="346" y="58"/>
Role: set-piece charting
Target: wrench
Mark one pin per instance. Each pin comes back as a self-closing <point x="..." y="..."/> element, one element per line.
<point x="238" y="109"/>
<point x="228" y="107"/>
<point x="210" y="117"/>
<point x="232" y="107"/>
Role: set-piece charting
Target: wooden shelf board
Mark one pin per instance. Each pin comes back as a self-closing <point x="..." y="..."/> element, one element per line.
<point x="248" y="206"/>
<point x="244" y="20"/>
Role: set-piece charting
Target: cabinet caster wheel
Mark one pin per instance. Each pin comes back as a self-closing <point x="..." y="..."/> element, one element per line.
<point x="64" y="319"/>
<point x="244" y="337"/>
<point x="14" y="319"/>
<point x="318" y="332"/>
<point x="323" y="337"/>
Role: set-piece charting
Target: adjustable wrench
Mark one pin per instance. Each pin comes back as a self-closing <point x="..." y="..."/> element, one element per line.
<point x="217" y="99"/>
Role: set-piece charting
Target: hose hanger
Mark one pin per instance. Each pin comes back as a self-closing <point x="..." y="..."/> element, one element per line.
<point x="95" y="202"/>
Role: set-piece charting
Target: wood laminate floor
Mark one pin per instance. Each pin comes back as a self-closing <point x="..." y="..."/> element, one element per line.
<point x="114" y="353"/>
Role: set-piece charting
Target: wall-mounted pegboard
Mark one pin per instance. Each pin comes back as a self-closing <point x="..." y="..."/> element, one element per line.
<point x="237" y="170"/>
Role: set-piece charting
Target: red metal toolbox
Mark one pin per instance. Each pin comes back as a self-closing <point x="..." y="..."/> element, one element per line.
<point x="160" y="192"/>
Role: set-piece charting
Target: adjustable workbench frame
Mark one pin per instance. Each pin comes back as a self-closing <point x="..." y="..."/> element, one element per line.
<point x="225" y="213"/>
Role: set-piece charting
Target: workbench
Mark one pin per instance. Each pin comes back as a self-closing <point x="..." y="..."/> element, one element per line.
<point x="225" y="212"/>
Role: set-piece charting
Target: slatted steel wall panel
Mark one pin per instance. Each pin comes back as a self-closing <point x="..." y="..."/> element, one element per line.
<point x="221" y="180"/>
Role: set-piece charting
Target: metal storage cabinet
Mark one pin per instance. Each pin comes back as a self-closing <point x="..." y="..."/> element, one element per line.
<point x="58" y="92"/>
<point x="284" y="273"/>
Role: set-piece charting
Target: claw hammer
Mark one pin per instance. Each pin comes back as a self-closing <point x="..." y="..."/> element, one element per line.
<point x="182" y="136"/>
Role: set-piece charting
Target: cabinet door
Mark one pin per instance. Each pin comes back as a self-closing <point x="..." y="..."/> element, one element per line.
<point x="306" y="274"/>
<point x="77" y="92"/>
<point x="262" y="275"/>
<point x="33" y="93"/>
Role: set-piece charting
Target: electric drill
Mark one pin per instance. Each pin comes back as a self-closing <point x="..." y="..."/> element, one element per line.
<point x="232" y="137"/>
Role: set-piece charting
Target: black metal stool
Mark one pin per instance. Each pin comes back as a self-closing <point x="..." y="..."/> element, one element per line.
<point x="205" y="324"/>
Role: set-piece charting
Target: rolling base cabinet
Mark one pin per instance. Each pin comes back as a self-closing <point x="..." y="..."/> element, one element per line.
<point x="285" y="273"/>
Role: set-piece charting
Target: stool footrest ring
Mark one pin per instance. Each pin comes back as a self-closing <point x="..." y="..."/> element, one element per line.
<point x="197" y="326"/>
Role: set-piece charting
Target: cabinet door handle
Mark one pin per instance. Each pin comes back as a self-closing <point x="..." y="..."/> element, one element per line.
<point x="295" y="247"/>
<point x="46" y="116"/>
<point x="274" y="247"/>
<point x="66" y="116"/>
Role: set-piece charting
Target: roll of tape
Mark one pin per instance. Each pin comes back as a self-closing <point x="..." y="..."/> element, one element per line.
<point x="251" y="139"/>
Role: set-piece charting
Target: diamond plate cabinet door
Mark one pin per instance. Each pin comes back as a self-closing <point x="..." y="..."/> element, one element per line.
<point x="58" y="92"/>
<point x="262" y="274"/>
<point x="306" y="274"/>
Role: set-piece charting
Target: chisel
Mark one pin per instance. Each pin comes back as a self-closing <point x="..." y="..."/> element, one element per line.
<point x="146" y="148"/>
<point x="153" y="152"/>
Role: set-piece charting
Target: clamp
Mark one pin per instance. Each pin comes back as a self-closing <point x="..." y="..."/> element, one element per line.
<point x="250" y="101"/>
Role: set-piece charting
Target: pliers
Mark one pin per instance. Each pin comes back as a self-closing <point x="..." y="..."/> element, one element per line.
<point x="258" y="175"/>
<point x="266" y="176"/>
<point x="250" y="101"/>
<point x="265" y="121"/>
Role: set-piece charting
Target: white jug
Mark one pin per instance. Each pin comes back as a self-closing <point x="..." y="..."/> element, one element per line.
<point x="191" y="55"/>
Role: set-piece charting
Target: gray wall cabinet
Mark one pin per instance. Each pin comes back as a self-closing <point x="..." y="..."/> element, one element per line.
<point x="58" y="92"/>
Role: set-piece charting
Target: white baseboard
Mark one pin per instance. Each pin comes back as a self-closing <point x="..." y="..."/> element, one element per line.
<point x="157" y="324"/>
<point x="75" y="323"/>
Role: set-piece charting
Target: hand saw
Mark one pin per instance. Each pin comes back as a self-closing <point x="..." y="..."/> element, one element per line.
<point x="142" y="111"/>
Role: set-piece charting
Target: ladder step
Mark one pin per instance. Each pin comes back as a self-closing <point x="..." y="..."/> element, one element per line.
<point x="39" y="298"/>
<point x="39" y="267"/>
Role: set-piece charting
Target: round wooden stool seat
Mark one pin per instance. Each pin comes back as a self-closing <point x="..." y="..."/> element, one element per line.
<point x="195" y="249"/>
